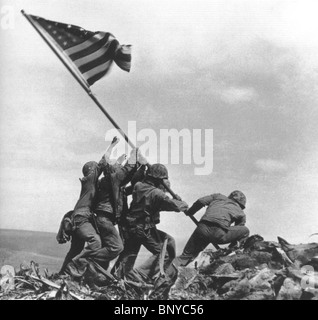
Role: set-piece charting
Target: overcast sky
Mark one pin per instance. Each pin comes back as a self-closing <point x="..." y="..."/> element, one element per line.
<point x="246" y="69"/>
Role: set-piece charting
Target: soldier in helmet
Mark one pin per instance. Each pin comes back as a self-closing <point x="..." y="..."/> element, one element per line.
<point x="215" y="225"/>
<point x="141" y="220"/>
<point x="109" y="204"/>
<point x="82" y="219"/>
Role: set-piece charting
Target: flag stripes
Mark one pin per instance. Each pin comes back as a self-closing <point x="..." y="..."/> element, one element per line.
<point x="92" y="48"/>
<point x="91" y="53"/>
<point x="85" y="44"/>
<point x="110" y="52"/>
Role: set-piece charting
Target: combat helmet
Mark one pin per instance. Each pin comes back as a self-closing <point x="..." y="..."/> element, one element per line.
<point x="158" y="171"/>
<point x="239" y="197"/>
<point x="88" y="167"/>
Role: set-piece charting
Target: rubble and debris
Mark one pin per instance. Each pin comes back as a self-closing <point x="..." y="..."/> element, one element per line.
<point x="258" y="270"/>
<point x="7" y="278"/>
<point x="301" y="254"/>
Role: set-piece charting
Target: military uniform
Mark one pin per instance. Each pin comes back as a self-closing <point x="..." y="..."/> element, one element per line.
<point x="108" y="207"/>
<point x="84" y="231"/>
<point x="215" y="225"/>
<point x="141" y="221"/>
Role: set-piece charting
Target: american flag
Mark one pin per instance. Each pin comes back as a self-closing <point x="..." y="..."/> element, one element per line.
<point x="91" y="53"/>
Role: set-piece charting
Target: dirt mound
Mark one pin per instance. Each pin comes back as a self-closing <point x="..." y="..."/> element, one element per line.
<point x="259" y="270"/>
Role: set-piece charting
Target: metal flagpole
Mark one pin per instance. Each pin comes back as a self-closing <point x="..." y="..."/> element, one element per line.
<point x="78" y="78"/>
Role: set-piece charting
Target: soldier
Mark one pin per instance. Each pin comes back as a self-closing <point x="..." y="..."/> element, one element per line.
<point x="141" y="220"/>
<point x="109" y="204"/>
<point x="81" y="218"/>
<point x="215" y="225"/>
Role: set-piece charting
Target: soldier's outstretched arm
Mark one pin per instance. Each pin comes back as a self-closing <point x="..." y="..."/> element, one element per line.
<point x="105" y="160"/>
<point x="110" y="148"/>
<point x="199" y="204"/>
<point x="124" y="174"/>
<point x="167" y="204"/>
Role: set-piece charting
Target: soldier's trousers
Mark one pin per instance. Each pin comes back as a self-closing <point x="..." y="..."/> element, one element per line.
<point x="199" y="240"/>
<point x="152" y="239"/>
<point x="111" y="241"/>
<point x="84" y="233"/>
<point x="101" y="248"/>
<point x="206" y="233"/>
<point x="77" y="245"/>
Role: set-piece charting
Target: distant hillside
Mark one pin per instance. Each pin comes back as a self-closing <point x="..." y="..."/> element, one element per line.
<point x="17" y="246"/>
<point x="32" y="241"/>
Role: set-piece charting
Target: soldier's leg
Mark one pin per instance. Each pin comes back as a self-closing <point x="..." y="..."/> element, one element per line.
<point x="153" y="241"/>
<point x="198" y="241"/>
<point x="234" y="234"/>
<point x="127" y="258"/>
<point x="171" y="246"/>
<point x="112" y="244"/>
<point x="87" y="233"/>
<point x="77" y="245"/>
<point x="170" y="250"/>
<point x="150" y="240"/>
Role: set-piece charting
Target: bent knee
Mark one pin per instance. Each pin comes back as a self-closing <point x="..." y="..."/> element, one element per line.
<point x="245" y="231"/>
<point x="117" y="249"/>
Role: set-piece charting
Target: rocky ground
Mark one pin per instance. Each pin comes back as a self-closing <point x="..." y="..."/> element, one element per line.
<point x="259" y="270"/>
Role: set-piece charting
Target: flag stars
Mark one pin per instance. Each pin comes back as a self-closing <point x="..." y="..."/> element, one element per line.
<point x="49" y="26"/>
<point x="69" y="26"/>
<point x="65" y="43"/>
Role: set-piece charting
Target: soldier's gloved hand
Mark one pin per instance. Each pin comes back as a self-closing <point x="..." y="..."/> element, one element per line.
<point x="133" y="156"/>
<point x="62" y="237"/>
<point x="141" y="159"/>
<point x="122" y="158"/>
<point x="115" y="141"/>
<point x="183" y="206"/>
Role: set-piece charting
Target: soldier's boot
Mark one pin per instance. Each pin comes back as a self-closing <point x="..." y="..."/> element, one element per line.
<point x="76" y="268"/>
<point x="164" y="284"/>
<point x="95" y="275"/>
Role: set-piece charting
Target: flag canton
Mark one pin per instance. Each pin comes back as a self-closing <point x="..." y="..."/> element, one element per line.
<point x="66" y="35"/>
<point x="90" y="53"/>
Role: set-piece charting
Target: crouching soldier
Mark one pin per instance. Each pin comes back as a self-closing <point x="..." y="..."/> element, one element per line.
<point x="215" y="225"/>
<point x="141" y="220"/>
